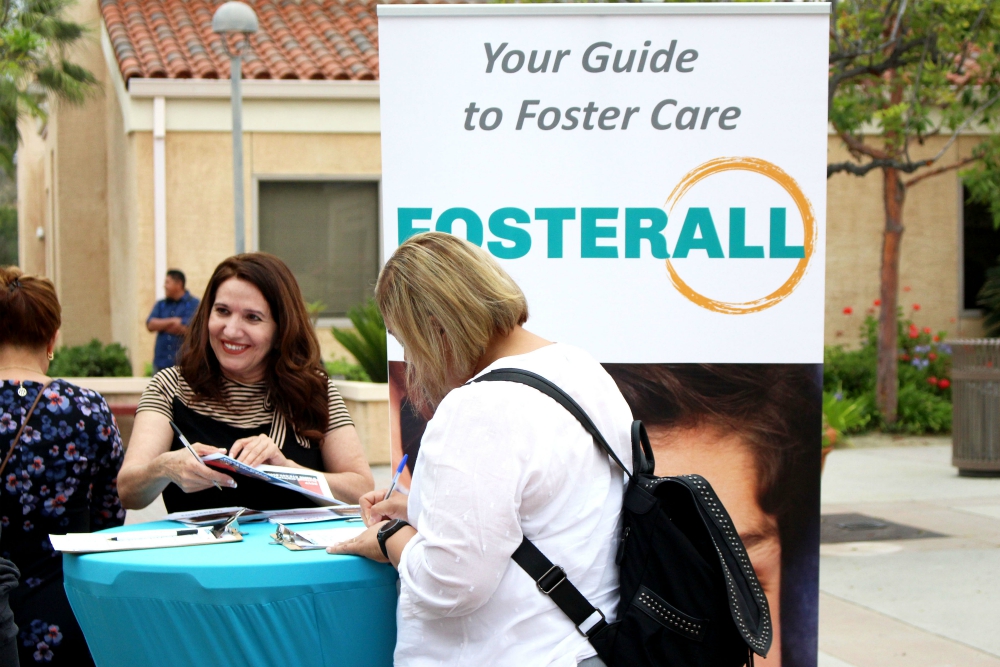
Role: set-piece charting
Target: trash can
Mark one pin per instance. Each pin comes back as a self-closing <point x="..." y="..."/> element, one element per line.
<point x="976" y="407"/>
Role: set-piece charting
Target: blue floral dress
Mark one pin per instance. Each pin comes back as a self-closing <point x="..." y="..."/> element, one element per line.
<point x="60" y="479"/>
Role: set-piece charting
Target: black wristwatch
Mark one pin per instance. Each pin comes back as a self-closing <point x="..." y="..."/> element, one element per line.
<point x="387" y="531"/>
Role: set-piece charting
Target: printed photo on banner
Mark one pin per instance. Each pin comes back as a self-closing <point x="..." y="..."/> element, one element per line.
<point x="751" y="430"/>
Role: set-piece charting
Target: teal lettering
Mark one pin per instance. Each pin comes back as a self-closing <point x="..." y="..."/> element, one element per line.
<point x="405" y="218"/>
<point x="555" y="217"/>
<point x="738" y="247"/>
<point x="473" y="225"/>
<point x="698" y="219"/>
<point x="635" y="232"/>
<point x="518" y="236"/>
<point x="590" y="231"/>
<point x="778" y="248"/>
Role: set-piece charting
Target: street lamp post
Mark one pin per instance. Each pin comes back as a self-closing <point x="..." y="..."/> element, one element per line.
<point x="229" y="19"/>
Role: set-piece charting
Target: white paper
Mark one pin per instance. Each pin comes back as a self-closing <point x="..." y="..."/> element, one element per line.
<point x="136" y="539"/>
<point x="331" y="536"/>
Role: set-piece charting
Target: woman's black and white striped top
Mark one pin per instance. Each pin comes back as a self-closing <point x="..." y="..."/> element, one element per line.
<point x="247" y="405"/>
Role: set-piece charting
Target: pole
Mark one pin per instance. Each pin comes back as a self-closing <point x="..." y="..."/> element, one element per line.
<point x="236" y="74"/>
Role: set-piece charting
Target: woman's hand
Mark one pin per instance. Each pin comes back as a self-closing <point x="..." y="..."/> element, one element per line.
<point x="190" y="474"/>
<point x="257" y="450"/>
<point x="365" y="544"/>
<point x="375" y="508"/>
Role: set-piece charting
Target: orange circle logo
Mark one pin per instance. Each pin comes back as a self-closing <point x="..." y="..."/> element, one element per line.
<point x="779" y="176"/>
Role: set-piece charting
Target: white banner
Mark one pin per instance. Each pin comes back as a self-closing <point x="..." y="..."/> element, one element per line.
<point x="653" y="176"/>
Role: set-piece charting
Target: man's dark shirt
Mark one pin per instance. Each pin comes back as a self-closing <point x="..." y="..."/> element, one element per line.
<point x="168" y="345"/>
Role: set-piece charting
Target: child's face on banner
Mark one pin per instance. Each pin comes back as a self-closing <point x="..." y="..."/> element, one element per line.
<point x="727" y="462"/>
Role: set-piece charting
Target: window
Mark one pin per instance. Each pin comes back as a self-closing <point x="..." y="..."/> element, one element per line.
<point x="327" y="233"/>
<point x="980" y="248"/>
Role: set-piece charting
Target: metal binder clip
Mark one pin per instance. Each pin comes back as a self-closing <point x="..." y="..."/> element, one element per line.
<point x="219" y="530"/>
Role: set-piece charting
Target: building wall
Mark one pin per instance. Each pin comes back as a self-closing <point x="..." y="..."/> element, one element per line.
<point x="930" y="256"/>
<point x="80" y="171"/>
<point x="123" y="210"/>
<point x="32" y="197"/>
<point x="62" y="190"/>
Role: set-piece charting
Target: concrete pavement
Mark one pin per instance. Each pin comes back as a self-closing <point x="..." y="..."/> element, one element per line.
<point x="932" y="602"/>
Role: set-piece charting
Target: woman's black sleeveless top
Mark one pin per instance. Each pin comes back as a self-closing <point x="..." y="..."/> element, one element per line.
<point x="250" y="492"/>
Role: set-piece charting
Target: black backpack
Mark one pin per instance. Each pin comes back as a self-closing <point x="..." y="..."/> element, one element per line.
<point x="688" y="594"/>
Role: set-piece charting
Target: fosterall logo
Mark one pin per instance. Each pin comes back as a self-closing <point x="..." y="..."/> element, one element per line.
<point x="766" y="246"/>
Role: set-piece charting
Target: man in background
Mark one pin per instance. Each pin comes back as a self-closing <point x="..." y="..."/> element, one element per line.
<point x="170" y="318"/>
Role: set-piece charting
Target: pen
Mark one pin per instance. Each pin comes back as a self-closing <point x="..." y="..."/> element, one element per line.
<point x="140" y="536"/>
<point x="184" y="441"/>
<point x="395" y="478"/>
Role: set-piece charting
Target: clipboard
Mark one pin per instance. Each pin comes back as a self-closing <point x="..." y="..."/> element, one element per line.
<point x="312" y="540"/>
<point x="89" y="543"/>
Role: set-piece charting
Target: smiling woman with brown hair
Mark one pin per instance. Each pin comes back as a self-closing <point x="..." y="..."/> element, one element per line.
<point x="250" y="380"/>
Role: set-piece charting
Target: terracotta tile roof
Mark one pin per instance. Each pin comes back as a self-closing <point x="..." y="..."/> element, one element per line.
<point x="298" y="39"/>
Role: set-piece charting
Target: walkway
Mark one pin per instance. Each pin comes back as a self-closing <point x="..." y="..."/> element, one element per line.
<point x="930" y="602"/>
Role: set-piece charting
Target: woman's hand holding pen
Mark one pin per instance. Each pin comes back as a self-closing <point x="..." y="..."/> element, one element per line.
<point x="375" y="507"/>
<point x="191" y="474"/>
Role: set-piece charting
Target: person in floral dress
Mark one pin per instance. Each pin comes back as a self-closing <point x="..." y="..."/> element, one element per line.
<point x="60" y="477"/>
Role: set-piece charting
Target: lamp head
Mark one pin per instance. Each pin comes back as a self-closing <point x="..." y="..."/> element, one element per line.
<point x="234" y="17"/>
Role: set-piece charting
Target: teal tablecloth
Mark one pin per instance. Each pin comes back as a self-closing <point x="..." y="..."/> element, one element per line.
<point x="247" y="603"/>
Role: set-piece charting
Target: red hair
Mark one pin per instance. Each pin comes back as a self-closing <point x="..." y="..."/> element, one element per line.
<point x="30" y="314"/>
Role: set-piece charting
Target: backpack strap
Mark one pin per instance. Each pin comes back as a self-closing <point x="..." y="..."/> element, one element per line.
<point x="550" y="578"/>
<point x="553" y="391"/>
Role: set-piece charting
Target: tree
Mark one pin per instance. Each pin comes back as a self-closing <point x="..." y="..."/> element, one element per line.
<point x="34" y="38"/>
<point x="902" y="71"/>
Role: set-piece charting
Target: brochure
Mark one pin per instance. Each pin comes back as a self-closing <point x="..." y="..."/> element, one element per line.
<point x="309" y="483"/>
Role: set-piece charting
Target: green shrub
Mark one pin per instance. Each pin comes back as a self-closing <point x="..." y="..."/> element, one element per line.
<point x="844" y="415"/>
<point x="924" y="383"/>
<point x="91" y="360"/>
<point x="921" y="411"/>
<point x="367" y="341"/>
<point x="342" y="368"/>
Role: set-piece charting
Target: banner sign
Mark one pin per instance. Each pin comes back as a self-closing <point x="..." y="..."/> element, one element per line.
<point x="654" y="178"/>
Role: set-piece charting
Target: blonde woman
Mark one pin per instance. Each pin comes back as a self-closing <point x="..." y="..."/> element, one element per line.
<point x="498" y="461"/>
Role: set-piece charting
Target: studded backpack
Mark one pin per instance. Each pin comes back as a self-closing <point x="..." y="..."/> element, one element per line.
<point x="689" y="596"/>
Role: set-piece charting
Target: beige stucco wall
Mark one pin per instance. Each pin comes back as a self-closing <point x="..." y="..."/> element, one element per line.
<point x="32" y="196"/>
<point x="80" y="168"/>
<point x="62" y="190"/>
<point x="930" y="263"/>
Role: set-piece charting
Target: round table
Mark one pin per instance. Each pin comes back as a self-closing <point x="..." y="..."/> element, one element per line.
<point x="244" y="603"/>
